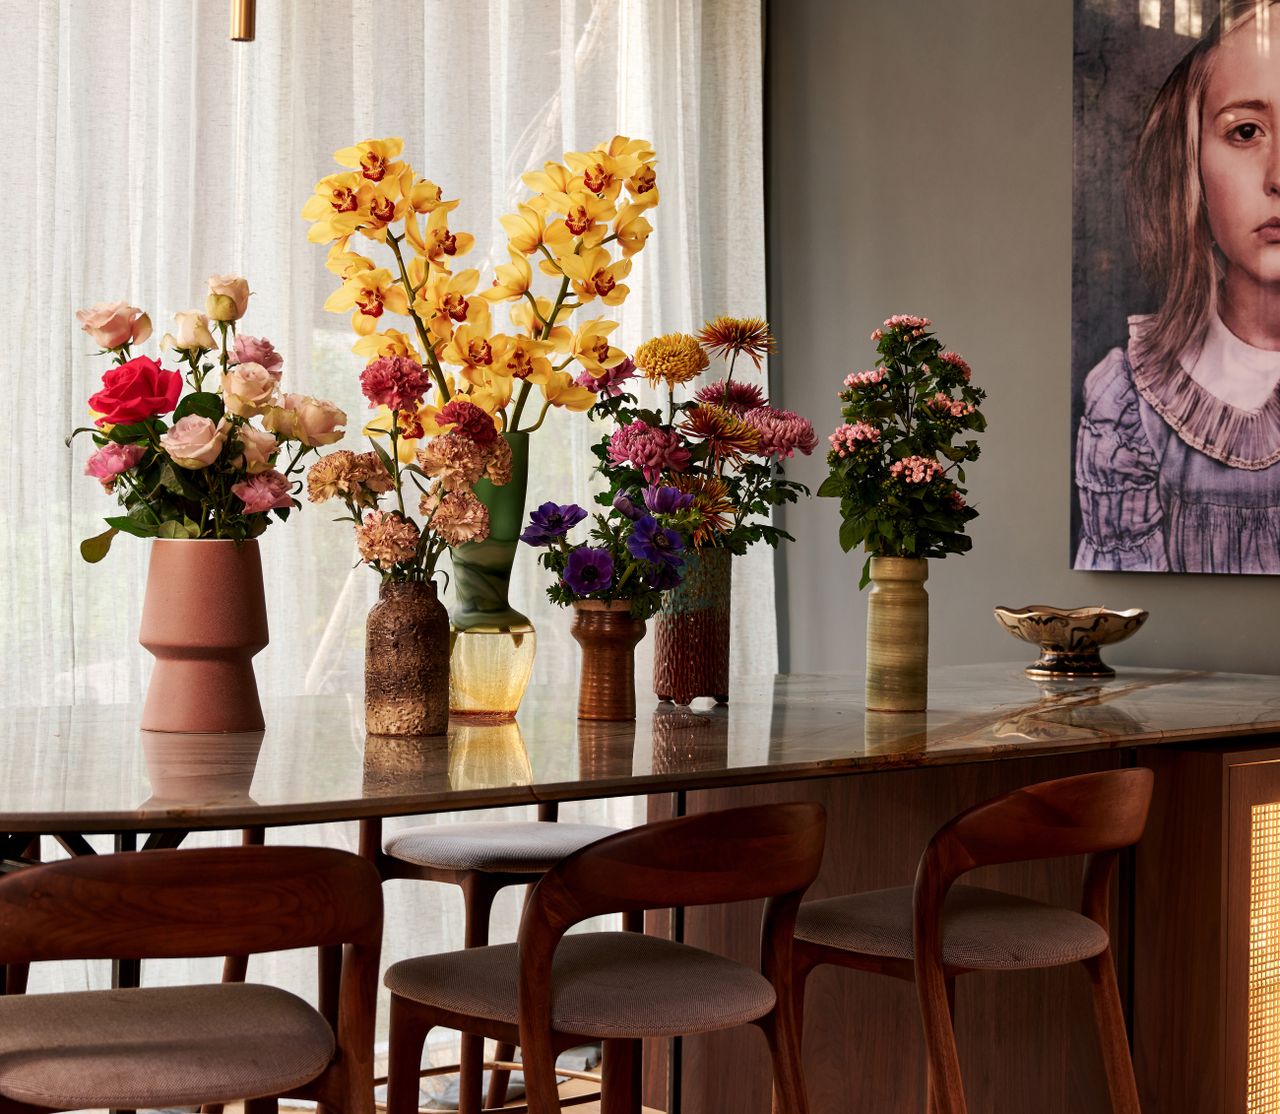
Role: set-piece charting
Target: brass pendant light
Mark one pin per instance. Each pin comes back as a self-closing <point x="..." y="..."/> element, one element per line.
<point x="243" y="17"/>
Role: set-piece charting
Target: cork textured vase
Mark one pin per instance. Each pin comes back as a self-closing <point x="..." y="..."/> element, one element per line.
<point x="691" y="631"/>
<point x="203" y="618"/>
<point x="608" y="635"/>
<point x="406" y="662"/>
<point x="898" y="635"/>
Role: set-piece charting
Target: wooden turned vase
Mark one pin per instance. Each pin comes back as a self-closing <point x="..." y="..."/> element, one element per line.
<point x="406" y="662"/>
<point x="608" y="635"/>
<point x="898" y="635"/>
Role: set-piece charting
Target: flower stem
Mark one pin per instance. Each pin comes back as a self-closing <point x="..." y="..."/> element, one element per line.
<point x="437" y="373"/>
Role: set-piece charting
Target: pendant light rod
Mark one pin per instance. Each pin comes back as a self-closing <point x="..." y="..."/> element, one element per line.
<point x="243" y="18"/>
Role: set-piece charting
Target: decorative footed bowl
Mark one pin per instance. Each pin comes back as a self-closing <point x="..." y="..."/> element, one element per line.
<point x="1069" y="641"/>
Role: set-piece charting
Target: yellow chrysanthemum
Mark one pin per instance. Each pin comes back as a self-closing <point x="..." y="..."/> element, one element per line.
<point x="671" y="359"/>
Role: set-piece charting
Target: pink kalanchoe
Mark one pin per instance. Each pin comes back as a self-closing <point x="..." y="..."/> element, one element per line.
<point x="610" y="383"/>
<point x="112" y="459"/>
<point x="849" y="438"/>
<point x="911" y="322"/>
<point x="956" y="361"/>
<point x="651" y="450"/>
<point x="916" y="470"/>
<point x="258" y="350"/>
<point x="955" y="501"/>
<point x="948" y="407"/>
<point x="781" y="432"/>
<point x="264" y="492"/>
<point x="732" y="395"/>
<point x="398" y="382"/>
<point x="857" y="379"/>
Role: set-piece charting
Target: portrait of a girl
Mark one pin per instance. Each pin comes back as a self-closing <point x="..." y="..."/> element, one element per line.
<point x="1177" y="463"/>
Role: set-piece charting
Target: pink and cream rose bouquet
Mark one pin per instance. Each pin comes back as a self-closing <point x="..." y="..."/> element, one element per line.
<point x="182" y="455"/>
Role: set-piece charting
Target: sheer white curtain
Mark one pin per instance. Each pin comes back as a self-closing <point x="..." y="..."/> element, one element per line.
<point x="152" y="152"/>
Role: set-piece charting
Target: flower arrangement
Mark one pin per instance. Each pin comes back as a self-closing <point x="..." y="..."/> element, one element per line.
<point x="722" y="447"/>
<point x="896" y="463"/>
<point x="210" y="472"/>
<point x="584" y="221"/>
<point x="634" y="551"/>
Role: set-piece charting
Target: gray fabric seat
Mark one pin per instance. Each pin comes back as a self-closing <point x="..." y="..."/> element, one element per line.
<point x="982" y="929"/>
<point x="158" y="1047"/>
<point x="516" y="847"/>
<point x="604" y="984"/>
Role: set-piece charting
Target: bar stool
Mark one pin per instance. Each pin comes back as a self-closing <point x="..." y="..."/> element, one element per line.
<point x="481" y="859"/>
<point x="550" y="991"/>
<point x="936" y="931"/>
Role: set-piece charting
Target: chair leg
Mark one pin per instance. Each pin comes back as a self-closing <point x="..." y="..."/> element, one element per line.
<point x="1108" y="1014"/>
<point x="404" y="1057"/>
<point x="620" y="1075"/>
<point x="944" y="1088"/>
<point x="789" y="1096"/>
<point x="478" y="892"/>
<point x="262" y="1106"/>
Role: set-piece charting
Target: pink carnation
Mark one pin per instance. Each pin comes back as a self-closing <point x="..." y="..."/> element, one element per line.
<point x="112" y="459"/>
<point x="916" y="470"/>
<point x="264" y="492"/>
<point x="956" y="361"/>
<point x="738" y="398"/>
<point x="610" y="383"/>
<point x="258" y="350"/>
<point x="781" y="432"/>
<point x="649" y="449"/>
<point x="949" y="407"/>
<point x="857" y="379"/>
<point x="397" y="382"/>
<point x="849" y="438"/>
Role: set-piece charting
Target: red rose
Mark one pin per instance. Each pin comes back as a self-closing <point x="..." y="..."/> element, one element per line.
<point x="469" y="420"/>
<point x="135" y="391"/>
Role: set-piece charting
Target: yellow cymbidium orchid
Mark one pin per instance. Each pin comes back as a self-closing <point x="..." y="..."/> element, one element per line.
<point x="392" y="342"/>
<point x="552" y="178"/>
<point x="370" y="293"/>
<point x="492" y="393"/>
<point x="385" y="203"/>
<point x="631" y="229"/>
<point x="525" y="228"/>
<point x="620" y="146"/>
<point x="334" y="208"/>
<point x="590" y="346"/>
<point x="522" y="316"/>
<point x="595" y="276"/>
<point x="512" y="280"/>
<point x="373" y="158"/>
<point x="602" y="173"/>
<point x="470" y="350"/>
<point x="559" y="389"/>
<point x="582" y="210"/>
<point x="522" y="357"/>
<point x="436" y="242"/>
<point x="443" y="301"/>
<point x="345" y="263"/>
<point x="424" y="196"/>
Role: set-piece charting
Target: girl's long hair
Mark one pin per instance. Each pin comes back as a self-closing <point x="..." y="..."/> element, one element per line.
<point x="1167" y="216"/>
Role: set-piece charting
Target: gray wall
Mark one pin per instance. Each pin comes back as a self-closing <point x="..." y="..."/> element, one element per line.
<point x="920" y="162"/>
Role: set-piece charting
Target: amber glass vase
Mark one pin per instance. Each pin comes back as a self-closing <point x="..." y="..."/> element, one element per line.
<point x="406" y="661"/>
<point x="691" y="631"/>
<point x="608" y="635"/>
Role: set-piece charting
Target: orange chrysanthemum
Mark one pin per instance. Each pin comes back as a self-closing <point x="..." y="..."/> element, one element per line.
<point x="671" y="359"/>
<point x="727" y="437"/>
<point x="712" y="507"/>
<point x="748" y="335"/>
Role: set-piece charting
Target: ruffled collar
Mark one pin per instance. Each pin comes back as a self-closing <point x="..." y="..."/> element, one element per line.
<point x="1234" y="436"/>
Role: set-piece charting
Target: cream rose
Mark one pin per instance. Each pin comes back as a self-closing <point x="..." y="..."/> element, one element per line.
<point x="114" y="324"/>
<point x="258" y="447"/>
<point x="228" y="297"/>
<point x="194" y="442"/>
<point x="248" y="389"/>
<point x="193" y="333"/>
<point x="313" y="421"/>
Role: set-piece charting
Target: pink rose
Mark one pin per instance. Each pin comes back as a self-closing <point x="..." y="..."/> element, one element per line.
<point x="248" y="389"/>
<point x="135" y="391"/>
<point x="114" y="324"/>
<point x="112" y="459"/>
<point x="264" y="492"/>
<point x="257" y="449"/>
<point x="257" y="350"/>
<point x="195" y="442"/>
<point x="228" y="297"/>
<point x="313" y="421"/>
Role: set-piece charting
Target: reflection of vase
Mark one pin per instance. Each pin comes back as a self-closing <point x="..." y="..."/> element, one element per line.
<point x="204" y="617"/>
<point x="608" y="635"/>
<point x="488" y="756"/>
<point x="898" y="635"/>
<point x="196" y="770"/>
<point x="606" y="749"/>
<point x="684" y="740"/>
<point x="691" y="631"/>
<point x="395" y="765"/>
<point x="406" y="661"/>
<point x="493" y="644"/>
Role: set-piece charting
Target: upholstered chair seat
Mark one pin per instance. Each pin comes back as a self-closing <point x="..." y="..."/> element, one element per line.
<point x="515" y="847"/>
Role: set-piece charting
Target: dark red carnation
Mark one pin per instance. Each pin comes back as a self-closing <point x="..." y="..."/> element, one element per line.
<point x="469" y="420"/>
<point x="135" y="391"/>
<point x="397" y="382"/>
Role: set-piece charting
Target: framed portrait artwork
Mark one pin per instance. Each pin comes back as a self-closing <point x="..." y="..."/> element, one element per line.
<point x="1176" y="286"/>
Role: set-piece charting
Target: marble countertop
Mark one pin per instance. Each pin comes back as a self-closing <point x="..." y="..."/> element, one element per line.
<point x="88" y="768"/>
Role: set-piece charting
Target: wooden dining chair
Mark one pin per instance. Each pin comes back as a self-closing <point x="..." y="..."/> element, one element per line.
<point x="481" y="859"/>
<point x="551" y="991"/>
<point x="935" y="931"/>
<point x="183" y="1045"/>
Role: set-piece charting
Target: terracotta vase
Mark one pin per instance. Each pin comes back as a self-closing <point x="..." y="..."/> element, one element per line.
<point x="494" y="644"/>
<point x="898" y="635"/>
<point x="608" y="635"/>
<point x="203" y="618"/>
<point x="406" y="662"/>
<point x="691" y="631"/>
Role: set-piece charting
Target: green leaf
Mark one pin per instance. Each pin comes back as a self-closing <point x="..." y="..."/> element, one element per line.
<point x="134" y="433"/>
<point x="866" y="574"/>
<point x="176" y="529"/>
<point x="851" y="532"/>
<point x="128" y="525"/>
<point x="831" y="487"/>
<point x="95" y="549"/>
<point x="201" y="403"/>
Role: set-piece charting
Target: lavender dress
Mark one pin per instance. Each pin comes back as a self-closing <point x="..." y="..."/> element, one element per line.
<point x="1170" y="477"/>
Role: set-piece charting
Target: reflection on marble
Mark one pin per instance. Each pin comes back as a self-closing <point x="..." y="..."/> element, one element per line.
<point x="84" y="768"/>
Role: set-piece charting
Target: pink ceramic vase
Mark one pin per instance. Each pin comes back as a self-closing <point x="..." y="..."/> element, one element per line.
<point x="203" y="619"/>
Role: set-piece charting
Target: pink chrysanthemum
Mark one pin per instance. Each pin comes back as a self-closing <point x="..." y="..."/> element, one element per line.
<point x="731" y="395"/>
<point x="956" y="361"/>
<point x="649" y="449"/>
<point x="916" y="470"/>
<point x="849" y="438"/>
<point x="782" y="432"/>
<point x="398" y="382"/>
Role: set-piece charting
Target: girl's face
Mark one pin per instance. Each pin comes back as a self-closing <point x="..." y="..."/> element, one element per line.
<point x="1240" y="148"/>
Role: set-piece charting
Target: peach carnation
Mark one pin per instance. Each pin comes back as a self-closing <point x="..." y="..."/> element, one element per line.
<point x="385" y="539"/>
<point x="454" y="459"/>
<point x="460" y="517"/>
